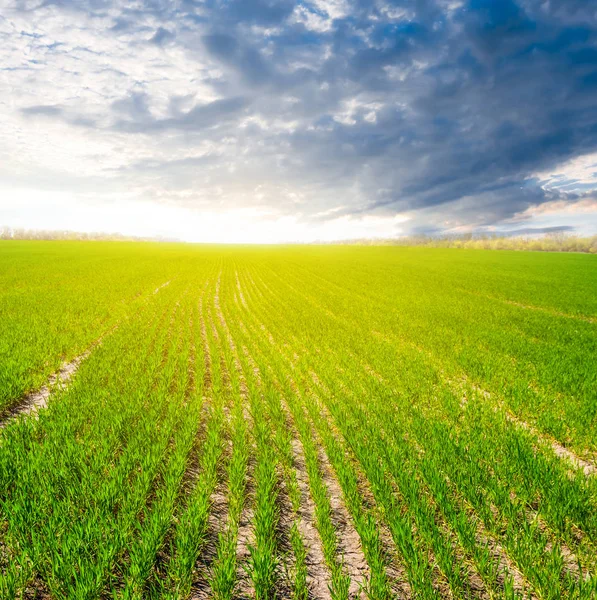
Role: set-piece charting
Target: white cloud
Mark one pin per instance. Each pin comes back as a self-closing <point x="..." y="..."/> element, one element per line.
<point x="335" y="9"/>
<point x="578" y="174"/>
<point x="312" y="20"/>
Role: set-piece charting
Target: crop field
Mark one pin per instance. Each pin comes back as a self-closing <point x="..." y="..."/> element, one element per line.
<point x="308" y="422"/>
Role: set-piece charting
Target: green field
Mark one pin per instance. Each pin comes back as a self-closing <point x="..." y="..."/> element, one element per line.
<point x="297" y="422"/>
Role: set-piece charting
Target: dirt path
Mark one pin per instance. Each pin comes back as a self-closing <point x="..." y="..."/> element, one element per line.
<point x="463" y="385"/>
<point x="589" y="468"/>
<point x="549" y="311"/>
<point x="37" y="400"/>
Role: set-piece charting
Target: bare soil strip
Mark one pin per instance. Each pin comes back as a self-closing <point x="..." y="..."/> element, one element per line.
<point x="395" y="570"/>
<point x="215" y="526"/>
<point x="318" y="576"/>
<point x="240" y="290"/>
<point x="506" y="565"/>
<point x="246" y="538"/>
<point x="587" y="467"/>
<point x="160" y="287"/>
<point x="206" y="353"/>
<point x="349" y="542"/>
<point x="570" y="562"/>
<point x="549" y="311"/>
<point x="37" y="400"/>
<point x="348" y="538"/>
<point x="544" y="309"/>
<point x="287" y="565"/>
<point x="218" y="512"/>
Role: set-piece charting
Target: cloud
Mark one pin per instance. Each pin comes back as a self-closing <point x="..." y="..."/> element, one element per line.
<point x="535" y="231"/>
<point x="42" y="110"/>
<point x="201" y="116"/>
<point x="457" y="114"/>
<point x="161" y="36"/>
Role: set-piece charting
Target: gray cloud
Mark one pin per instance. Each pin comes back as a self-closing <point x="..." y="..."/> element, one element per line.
<point x="202" y="116"/>
<point x="42" y="110"/>
<point x="161" y="36"/>
<point x="536" y="230"/>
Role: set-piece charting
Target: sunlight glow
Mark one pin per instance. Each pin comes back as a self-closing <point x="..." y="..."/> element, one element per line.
<point x="53" y="210"/>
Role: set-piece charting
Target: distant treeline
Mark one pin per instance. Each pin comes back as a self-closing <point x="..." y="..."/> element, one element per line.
<point x="551" y="242"/>
<point x="547" y="243"/>
<point x="17" y="233"/>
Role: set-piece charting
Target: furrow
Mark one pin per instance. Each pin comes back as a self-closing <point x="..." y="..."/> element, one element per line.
<point x="350" y="547"/>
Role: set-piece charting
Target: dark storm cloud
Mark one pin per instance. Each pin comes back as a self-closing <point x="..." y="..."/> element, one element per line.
<point x="426" y="106"/>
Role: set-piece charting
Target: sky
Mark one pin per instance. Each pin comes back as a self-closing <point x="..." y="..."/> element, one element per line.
<point x="280" y="121"/>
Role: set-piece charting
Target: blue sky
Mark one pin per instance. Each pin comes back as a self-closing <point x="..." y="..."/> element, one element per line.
<point x="271" y="120"/>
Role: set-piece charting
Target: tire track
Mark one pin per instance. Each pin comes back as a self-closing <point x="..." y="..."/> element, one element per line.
<point x="38" y="400"/>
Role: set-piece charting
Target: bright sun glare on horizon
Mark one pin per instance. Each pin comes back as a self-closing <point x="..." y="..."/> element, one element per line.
<point x="60" y="211"/>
